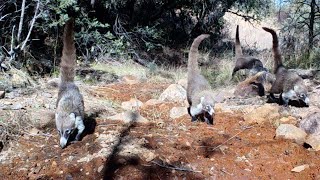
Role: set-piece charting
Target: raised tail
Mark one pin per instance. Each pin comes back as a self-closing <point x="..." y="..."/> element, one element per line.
<point x="193" y="53"/>
<point x="238" y="45"/>
<point x="68" y="59"/>
<point x="275" y="49"/>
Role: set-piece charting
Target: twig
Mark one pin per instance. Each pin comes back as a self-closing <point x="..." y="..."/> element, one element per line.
<point x="214" y="148"/>
<point x="174" y="168"/>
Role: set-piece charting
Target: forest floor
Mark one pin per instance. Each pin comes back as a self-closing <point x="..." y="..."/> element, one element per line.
<point x="162" y="148"/>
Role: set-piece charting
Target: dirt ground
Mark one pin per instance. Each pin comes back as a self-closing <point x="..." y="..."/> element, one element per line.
<point x="164" y="148"/>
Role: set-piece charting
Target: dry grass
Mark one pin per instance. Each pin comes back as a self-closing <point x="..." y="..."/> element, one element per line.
<point x="13" y="124"/>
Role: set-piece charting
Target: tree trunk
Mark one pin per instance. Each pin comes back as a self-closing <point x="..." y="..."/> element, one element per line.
<point x="311" y="25"/>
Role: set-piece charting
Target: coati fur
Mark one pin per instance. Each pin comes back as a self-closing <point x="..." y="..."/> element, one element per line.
<point x="251" y="86"/>
<point x="199" y="94"/>
<point x="70" y="106"/>
<point x="289" y="83"/>
<point x="245" y="62"/>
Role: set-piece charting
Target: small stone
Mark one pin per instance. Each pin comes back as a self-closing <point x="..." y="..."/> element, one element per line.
<point x="152" y="102"/>
<point x="100" y="169"/>
<point x="54" y="164"/>
<point x="300" y="168"/>
<point x="2" y="94"/>
<point x="129" y="79"/>
<point x="129" y="116"/>
<point x="133" y="104"/>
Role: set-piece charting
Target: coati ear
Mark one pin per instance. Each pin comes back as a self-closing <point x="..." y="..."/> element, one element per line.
<point x="72" y="116"/>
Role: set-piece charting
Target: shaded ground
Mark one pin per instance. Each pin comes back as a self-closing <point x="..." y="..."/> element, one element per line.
<point x="161" y="149"/>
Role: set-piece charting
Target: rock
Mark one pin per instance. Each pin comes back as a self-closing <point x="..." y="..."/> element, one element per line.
<point x="306" y="73"/>
<point x="129" y="79"/>
<point x="129" y="116"/>
<point x="289" y="131"/>
<point x="265" y="113"/>
<point x="314" y="142"/>
<point x="16" y="106"/>
<point x="287" y="120"/>
<point x="177" y="112"/>
<point x="43" y="118"/>
<point x="300" y="168"/>
<point x="133" y="104"/>
<point x="2" y="94"/>
<point x="45" y="94"/>
<point x="152" y="102"/>
<point x="34" y="131"/>
<point x="183" y="83"/>
<point x="174" y="93"/>
<point x="53" y="83"/>
<point x="18" y="80"/>
<point x="311" y="123"/>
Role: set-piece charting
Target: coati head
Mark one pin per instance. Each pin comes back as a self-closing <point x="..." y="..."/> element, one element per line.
<point x="298" y="93"/>
<point x="301" y="94"/>
<point x="66" y="124"/>
<point x="205" y="107"/>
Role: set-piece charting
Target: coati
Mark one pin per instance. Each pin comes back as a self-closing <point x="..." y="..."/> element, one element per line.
<point x="245" y="62"/>
<point x="251" y="86"/>
<point x="70" y="106"/>
<point x="199" y="94"/>
<point x="289" y="83"/>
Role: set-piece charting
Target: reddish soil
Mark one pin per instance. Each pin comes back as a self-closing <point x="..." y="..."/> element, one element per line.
<point x="184" y="150"/>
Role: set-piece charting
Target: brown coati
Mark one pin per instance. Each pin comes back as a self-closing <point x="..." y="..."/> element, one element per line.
<point x="70" y="107"/>
<point x="199" y="94"/>
<point x="245" y="62"/>
<point x="289" y="83"/>
<point x="251" y="86"/>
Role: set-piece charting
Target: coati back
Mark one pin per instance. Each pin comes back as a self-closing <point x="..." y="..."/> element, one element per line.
<point x="289" y="83"/>
<point x="245" y="62"/>
<point x="199" y="94"/>
<point x="70" y="107"/>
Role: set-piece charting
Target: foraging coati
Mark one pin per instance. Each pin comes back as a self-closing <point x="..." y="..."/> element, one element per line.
<point x="70" y="107"/>
<point x="199" y="94"/>
<point x="289" y="83"/>
<point x="245" y="62"/>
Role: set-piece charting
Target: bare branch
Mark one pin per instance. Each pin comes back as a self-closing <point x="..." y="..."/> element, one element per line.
<point x="36" y="15"/>
<point x="245" y="17"/>
<point x="21" y="19"/>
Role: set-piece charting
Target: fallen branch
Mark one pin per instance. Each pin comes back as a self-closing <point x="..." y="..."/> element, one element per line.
<point x="214" y="148"/>
<point x="175" y="168"/>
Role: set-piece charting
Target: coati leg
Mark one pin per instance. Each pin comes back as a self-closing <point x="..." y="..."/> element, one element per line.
<point x="80" y="126"/>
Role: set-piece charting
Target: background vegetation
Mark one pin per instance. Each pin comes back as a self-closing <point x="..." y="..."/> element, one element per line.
<point x="148" y="32"/>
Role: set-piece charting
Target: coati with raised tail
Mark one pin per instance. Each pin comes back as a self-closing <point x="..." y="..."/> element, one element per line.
<point x="199" y="94"/>
<point x="70" y="107"/>
<point x="245" y="62"/>
<point x="289" y="83"/>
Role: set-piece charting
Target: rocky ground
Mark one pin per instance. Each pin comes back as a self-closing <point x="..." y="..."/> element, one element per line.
<point x="141" y="130"/>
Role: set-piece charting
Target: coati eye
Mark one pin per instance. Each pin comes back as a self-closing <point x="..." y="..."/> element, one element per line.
<point x="302" y="95"/>
<point x="68" y="131"/>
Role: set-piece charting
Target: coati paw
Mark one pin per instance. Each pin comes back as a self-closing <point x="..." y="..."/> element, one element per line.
<point x="193" y="119"/>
